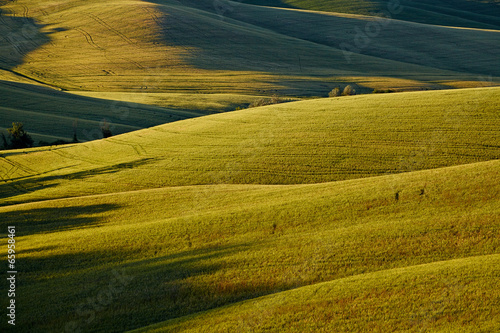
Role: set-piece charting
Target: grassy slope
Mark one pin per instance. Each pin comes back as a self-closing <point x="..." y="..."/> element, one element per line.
<point x="461" y="50"/>
<point x="473" y="14"/>
<point x="299" y="142"/>
<point x="450" y="296"/>
<point x="190" y="249"/>
<point x="50" y="115"/>
<point x="122" y="45"/>
<point x="196" y="248"/>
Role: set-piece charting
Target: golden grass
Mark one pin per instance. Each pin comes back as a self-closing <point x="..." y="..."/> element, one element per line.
<point x="139" y="46"/>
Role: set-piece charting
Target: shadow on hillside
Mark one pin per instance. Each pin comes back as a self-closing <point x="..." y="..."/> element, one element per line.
<point x="220" y="36"/>
<point x="154" y="289"/>
<point x="313" y="43"/>
<point x="29" y="184"/>
<point x="18" y="37"/>
<point x="43" y="220"/>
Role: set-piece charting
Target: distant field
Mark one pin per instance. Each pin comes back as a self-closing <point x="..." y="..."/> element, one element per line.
<point x="463" y="13"/>
<point x="445" y="48"/>
<point x="300" y="142"/>
<point x="50" y="115"/>
<point x="182" y="250"/>
<point x="168" y="46"/>
<point x="203" y="104"/>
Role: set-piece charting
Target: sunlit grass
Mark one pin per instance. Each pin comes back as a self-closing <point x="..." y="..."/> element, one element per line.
<point x="195" y="248"/>
<point x="299" y="142"/>
<point x="139" y="46"/>
<point x="450" y="296"/>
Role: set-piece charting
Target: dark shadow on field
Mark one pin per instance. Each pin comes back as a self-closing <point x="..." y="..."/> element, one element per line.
<point x="18" y="37"/>
<point x="45" y="220"/>
<point x="316" y="41"/>
<point x="47" y="112"/>
<point x="153" y="288"/>
<point x="30" y="184"/>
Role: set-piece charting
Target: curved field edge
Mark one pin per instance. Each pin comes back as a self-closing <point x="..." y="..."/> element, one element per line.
<point x="195" y="248"/>
<point x="451" y="296"/>
<point x="299" y="142"/>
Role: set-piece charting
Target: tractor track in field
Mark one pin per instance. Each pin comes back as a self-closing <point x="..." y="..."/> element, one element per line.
<point x="135" y="63"/>
<point x="19" y="166"/>
<point x="26" y="11"/>
<point x="110" y="28"/>
<point x="14" y="167"/>
<point x="153" y="16"/>
<point x="139" y="149"/>
<point x="89" y="39"/>
<point x="75" y="157"/>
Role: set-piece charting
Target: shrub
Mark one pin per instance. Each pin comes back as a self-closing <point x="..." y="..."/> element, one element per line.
<point x="349" y="91"/>
<point x="382" y="91"/>
<point x="275" y="99"/>
<point x="106" y="132"/>
<point x="335" y="92"/>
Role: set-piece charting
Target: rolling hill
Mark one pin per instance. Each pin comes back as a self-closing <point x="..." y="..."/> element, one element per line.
<point x="368" y="213"/>
<point x="51" y="115"/>
<point x="170" y="46"/>
<point x="120" y="261"/>
<point x="299" y="142"/>
<point x="368" y="302"/>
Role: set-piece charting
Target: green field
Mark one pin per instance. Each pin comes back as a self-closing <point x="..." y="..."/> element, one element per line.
<point x="377" y="212"/>
<point x="51" y="115"/>
<point x="196" y="248"/>
<point x="300" y="142"/>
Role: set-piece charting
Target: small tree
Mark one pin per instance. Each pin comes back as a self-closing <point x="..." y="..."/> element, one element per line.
<point x="335" y="92"/>
<point x="18" y="137"/>
<point x="106" y="132"/>
<point x="348" y="91"/>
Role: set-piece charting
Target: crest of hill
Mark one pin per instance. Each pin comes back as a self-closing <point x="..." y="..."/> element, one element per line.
<point x="299" y="142"/>
<point x="384" y="300"/>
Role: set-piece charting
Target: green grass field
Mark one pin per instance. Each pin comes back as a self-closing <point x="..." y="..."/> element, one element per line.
<point x="368" y="302"/>
<point x="367" y="213"/>
<point x="196" y="248"/>
<point x="50" y="115"/>
<point x="300" y="142"/>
